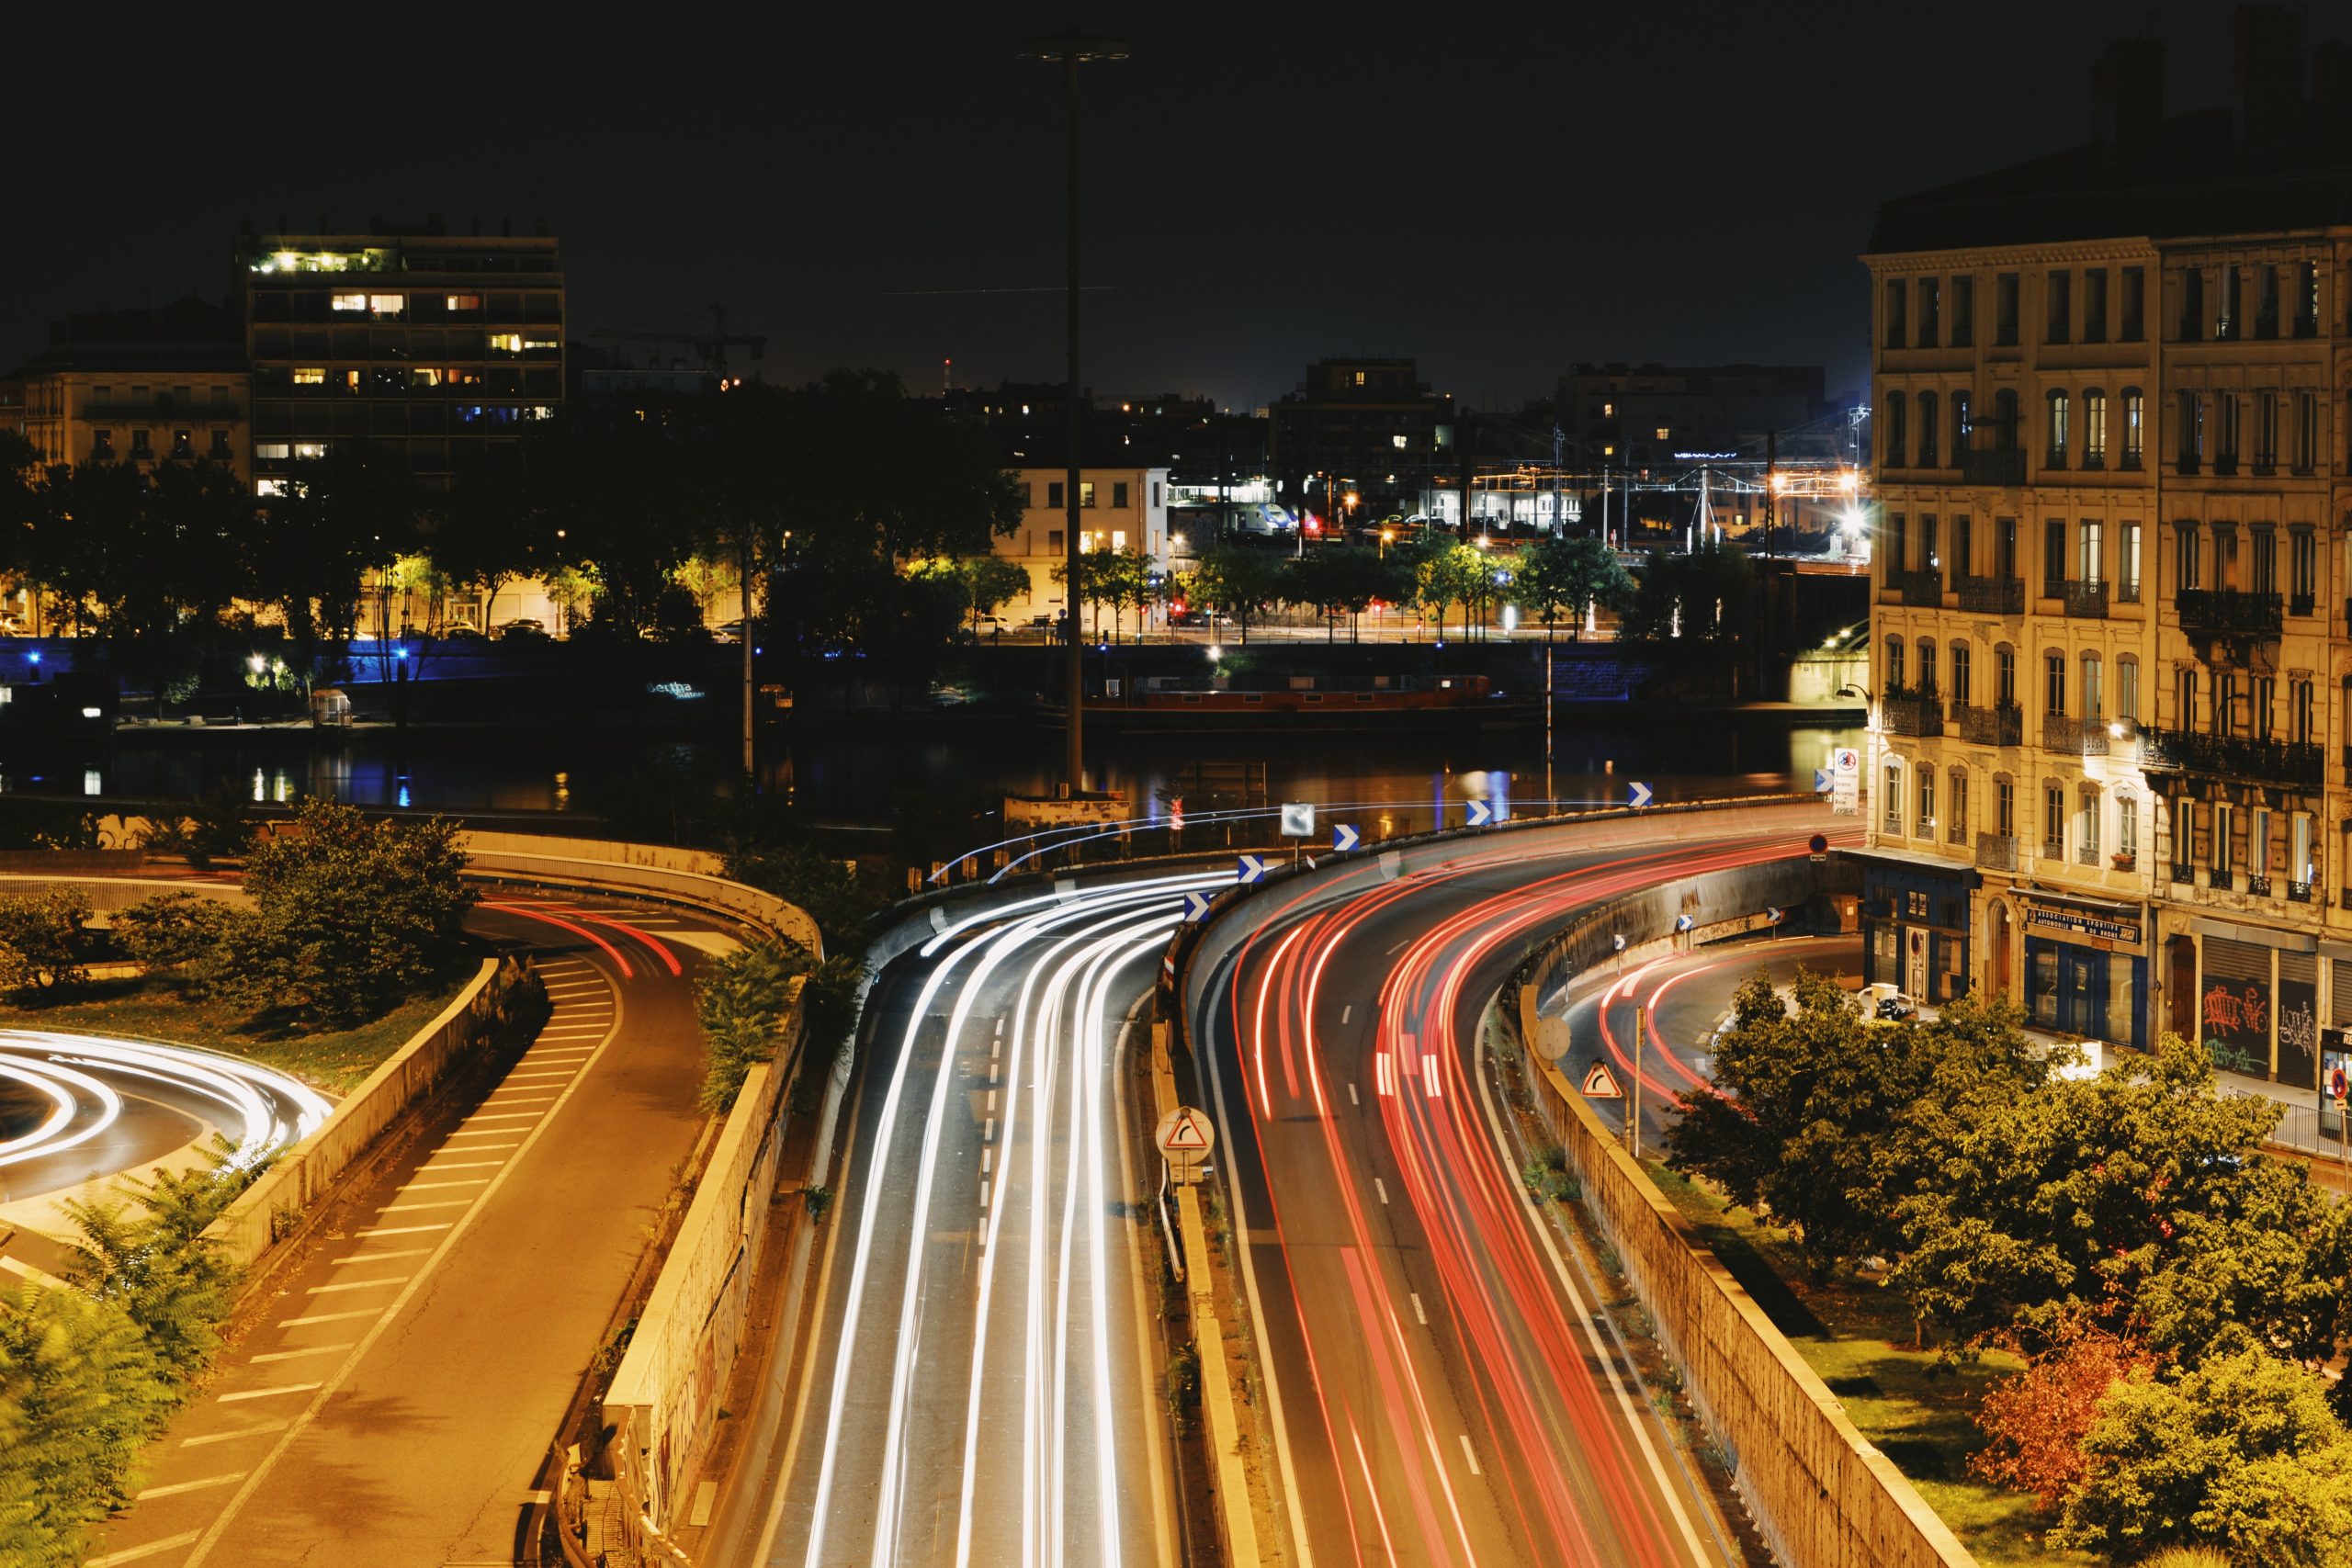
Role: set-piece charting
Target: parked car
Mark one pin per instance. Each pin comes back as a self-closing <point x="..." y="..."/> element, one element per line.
<point x="462" y="634"/>
<point x="727" y="632"/>
<point x="522" y="629"/>
<point x="1888" y="1002"/>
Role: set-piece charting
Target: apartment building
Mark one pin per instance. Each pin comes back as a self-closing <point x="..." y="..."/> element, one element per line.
<point x="438" y="346"/>
<point x="2109" y="677"/>
<point x="141" y="387"/>
<point x="1121" y="508"/>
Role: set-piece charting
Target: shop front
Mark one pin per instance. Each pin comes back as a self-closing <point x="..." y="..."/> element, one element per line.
<point x="2085" y="967"/>
<point x="2257" y="1000"/>
<point x="1914" y="924"/>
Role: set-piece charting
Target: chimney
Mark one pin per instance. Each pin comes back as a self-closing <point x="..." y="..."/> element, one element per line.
<point x="2128" y="96"/>
<point x="2270" y="77"/>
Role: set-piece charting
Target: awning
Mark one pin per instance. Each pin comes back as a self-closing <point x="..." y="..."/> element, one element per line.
<point x="2259" y="936"/>
<point x="1911" y="859"/>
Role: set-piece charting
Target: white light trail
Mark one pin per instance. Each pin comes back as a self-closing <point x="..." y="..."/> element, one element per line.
<point x="260" y="1108"/>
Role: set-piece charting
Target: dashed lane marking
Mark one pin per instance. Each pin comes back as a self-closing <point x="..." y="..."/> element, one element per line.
<point x="1380" y="1187"/>
<point x="1419" y="1315"/>
<point x="461" y="1181"/>
<point x="132" y="1554"/>
<point x="435" y="1203"/>
<point x="329" y="1317"/>
<point x="177" y="1487"/>
<point x="1470" y="1455"/>
<point x="268" y="1393"/>
<point x="356" y="1285"/>
<point x="398" y="1230"/>
<point x="258" y="1429"/>
<point x="382" y="1257"/>
<point x="306" y="1350"/>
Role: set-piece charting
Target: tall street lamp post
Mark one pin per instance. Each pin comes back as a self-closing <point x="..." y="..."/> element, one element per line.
<point x="1071" y="49"/>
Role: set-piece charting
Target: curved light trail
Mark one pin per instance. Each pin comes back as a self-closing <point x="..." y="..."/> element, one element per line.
<point x="1028" y="1464"/>
<point x="1452" y="1393"/>
<point x="84" y="1078"/>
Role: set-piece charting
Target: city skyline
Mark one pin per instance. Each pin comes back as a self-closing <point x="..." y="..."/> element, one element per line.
<point x="903" y="211"/>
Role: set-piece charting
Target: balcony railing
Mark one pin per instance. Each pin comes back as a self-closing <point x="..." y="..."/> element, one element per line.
<point x="2086" y="601"/>
<point x="2001" y="466"/>
<point x="2076" y="737"/>
<point x="2086" y="854"/>
<point x="2298" y="892"/>
<point x="1913" y="712"/>
<point x="2006" y="596"/>
<point x="2230" y="612"/>
<point x="1922" y="589"/>
<point x="1996" y="851"/>
<point x="2242" y="757"/>
<point x="2258" y="886"/>
<point x="2000" y="726"/>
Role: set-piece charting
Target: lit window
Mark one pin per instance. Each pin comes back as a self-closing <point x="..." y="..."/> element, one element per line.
<point x="1399" y="441"/>
<point x="310" y="448"/>
<point x="1609" y="451"/>
<point x="538" y="410"/>
<point x="351" y="301"/>
<point x="1359" y="377"/>
<point x="1609" y="411"/>
<point x="388" y="304"/>
<point x="351" y="381"/>
<point x="423" y="376"/>
<point x="1661" y="433"/>
<point x="278" y="449"/>
<point x="533" y="344"/>
<point x="269" y="487"/>
<point x="507" y="343"/>
<point x="465" y="301"/>
<point x="310" y="376"/>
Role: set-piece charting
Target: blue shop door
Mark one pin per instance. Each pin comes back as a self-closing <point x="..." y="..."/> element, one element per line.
<point x="2082" y="992"/>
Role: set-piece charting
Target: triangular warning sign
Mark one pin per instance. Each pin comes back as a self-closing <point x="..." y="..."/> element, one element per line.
<point x="1187" y="1133"/>
<point x="1599" y="1083"/>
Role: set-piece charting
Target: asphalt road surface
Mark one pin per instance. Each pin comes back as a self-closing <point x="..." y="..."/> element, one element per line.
<point x="393" y="1401"/>
<point x="978" y="1387"/>
<point x="1443" y="1388"/>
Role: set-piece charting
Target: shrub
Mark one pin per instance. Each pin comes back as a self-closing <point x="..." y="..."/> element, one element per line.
<point x="42" y="938"/>
<point x="742" y="1001"/>
<point x="172" y="928"/>
<point x="2038" y="1419"/>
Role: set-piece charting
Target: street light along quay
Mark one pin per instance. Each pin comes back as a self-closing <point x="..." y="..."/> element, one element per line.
<point x="1072" y="48"/>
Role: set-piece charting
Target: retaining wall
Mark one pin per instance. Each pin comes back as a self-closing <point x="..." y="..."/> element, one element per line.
<point x="263" y="1212"/>
<point x="650" y="871"/>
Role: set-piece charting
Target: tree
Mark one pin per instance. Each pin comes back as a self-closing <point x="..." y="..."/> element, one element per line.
<point x="1118" y="577"/>
<point x="2036" y="1421"/>
<point x="349" y="916"/>
<point x="990" y="583"/>
<point x="1237" y="580"/>
<point x="1557" y="574"/>
<point x="1454" y="574"/>
<point x="2242" y="1454"/>
<point x="86" y="1390"/>
<point x="1814" y="1096"/>
<point x="154" y="1261"/>
<point x="1701" y="597"/>
<point x="43" y="942"/>
<point x="354" y="510"/>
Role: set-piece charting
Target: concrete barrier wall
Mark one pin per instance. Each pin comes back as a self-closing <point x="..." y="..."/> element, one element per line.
<point x="263" y="1213"/>
<point x="1821" y="1494"/>
<point x="645" y="871"/>
<point x="664" y="1397"/>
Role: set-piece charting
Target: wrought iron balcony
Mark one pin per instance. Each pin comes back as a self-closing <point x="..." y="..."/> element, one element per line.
<point x="2230" y="612"/>
<point x="2000" y="466"/>
<point x="2000" y="726"/>
<point x="2258" y="886"/>
<point x="1913" y="712"/>
<point x="1996" y="851"/>
<point x="2006" y="596"/>
<point x="2086" y="601"/>
<point x="2076" y="737"/>
<point x="2284" y="762"/>
<point x="1922" y="589"/>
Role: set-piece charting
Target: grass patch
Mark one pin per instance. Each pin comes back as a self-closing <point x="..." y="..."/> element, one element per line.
<point x="1859" y="1337"/>
<point x="159" y="1008"/>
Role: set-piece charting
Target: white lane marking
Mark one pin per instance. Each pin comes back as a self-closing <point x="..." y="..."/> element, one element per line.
<point x="258" y="1429"/>
<point x="436" y="1203"/>
<point x="177" y="1487"/>
<point x="308" y="1350"/>
<point x="991" y="1101"/>
<point x="546" y="1073"/>
<point x="268" y="1393"/>
<point x="1384" y="1074"/>
<point x="1380" y="1187"/>
<point x="460" y="1165"/>
<point x="527" y="1094"/>
<point x="1346" y="1010"/>
<point x="356" y="1285"/>
<point x="1351" y="1094"/>
<point x="992" y="1072"/>
<point x="1000" y="1026"/>
<point x="1472" y="1456"/>
<point x="1419" y="1315"/>
<point x="986" y="1156"/>
<point x="382" y="1257"/>
<point x="506" y="1116"/>
<point x="401" y="1230"/>
<point x="329" y="1317"/>
<point x="1428" y="1076"/>
<point x="133" y="1553"/>
<point x="461" y="1181"/>
<point x="987" y="1130"/>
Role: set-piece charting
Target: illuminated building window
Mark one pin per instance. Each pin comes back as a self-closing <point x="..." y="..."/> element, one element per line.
<point x="269" y="487"/>
<point x="310" y="448"/>
<point x="465" y="302"/>
<point x="268" y="449"/>
<point x="350" y="301"/>
<point x="507" y="343"/>
<point x="1661" y="433"/>
<point x="351" y="381"/>
<point x="388" y="304"/>
<point x="310" y="376"/>
<point x="423" y="376"/>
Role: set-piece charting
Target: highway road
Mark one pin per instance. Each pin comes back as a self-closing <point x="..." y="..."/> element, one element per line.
<point x="978" y="1387"/>
<point x="1443" y="1389"/>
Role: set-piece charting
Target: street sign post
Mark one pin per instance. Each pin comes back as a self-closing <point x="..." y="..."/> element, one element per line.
<point x="1846" y="781"/>
<point x="1599" y="1083"/>
<point x="1299" y="820"/>
<point x="1818" y="847"/>
<point x="1184" y="1136"/>
<point x="1344" y="837"/>
<point x="1637" y="794"/>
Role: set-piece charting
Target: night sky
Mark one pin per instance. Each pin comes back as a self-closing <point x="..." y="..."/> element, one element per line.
<point x="1497" y="191"/>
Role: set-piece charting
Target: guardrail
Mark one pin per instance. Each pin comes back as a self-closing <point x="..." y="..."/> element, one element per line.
<point x="692" y="877"/>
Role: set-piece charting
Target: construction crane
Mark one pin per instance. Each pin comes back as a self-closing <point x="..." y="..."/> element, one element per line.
<point x="709" y="347"/>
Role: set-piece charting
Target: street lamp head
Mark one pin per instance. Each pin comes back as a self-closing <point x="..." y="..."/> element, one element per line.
<point x="1072" y="44"/>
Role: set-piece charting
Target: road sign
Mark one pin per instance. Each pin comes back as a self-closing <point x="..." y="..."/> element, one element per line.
<point x="1819" y="846"/>
<point x="1299" y="820"/>
<point x="1599" y="1083"/>
<point x="1344" y="837"/>
<point x="1619" y="940"/>
<point x="1772" y="915"/>
<point x="1250" y="869"/>
<point x="1481" y="814"/>
<point x="1176" y="814"/>
<point x="1683" y="922"/>
<point x="1196" y="905"/>
<point x="1637" y="794"/>
<point x="1822" y="781"/>
<point x="1845" y="780"/>
<point x="1184" y="1137"/>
